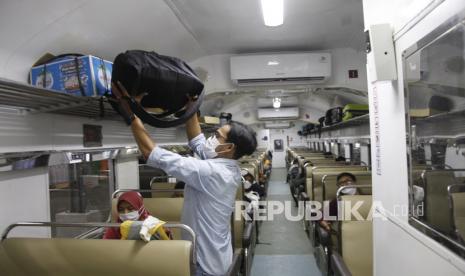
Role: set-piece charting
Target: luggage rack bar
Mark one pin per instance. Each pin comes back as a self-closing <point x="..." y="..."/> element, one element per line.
<point x="28" y="99"/>
<point x="155" y="190"/>
<point x="359" y="120"/>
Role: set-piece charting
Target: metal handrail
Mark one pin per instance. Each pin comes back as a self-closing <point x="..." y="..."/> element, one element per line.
<point x="339" y="191"/>
<point x="113" y="195"/>
<point x="447" y="238"/>
<point x="98" y="224"/>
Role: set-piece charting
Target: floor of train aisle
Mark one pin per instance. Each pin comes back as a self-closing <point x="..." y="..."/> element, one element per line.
<point x="284" y="248"/>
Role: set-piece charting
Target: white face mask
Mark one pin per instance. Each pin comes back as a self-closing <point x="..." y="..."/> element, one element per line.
<point x="247" y="184"/>
<point x="210" y="147"/>
<point x="134" y="215"/>
<point x="350" y="191"/>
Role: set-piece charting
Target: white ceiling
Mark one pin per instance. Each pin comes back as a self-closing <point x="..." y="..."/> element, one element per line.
<point x="222" y="26"/>
<point x="188" y="29"/>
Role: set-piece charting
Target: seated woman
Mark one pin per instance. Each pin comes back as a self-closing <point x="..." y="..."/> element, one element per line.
<point x="130" y="206"/>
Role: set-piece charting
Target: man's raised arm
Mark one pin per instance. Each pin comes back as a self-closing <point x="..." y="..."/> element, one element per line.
<point x="142" y="137"/>
<point x="193" y="127"/>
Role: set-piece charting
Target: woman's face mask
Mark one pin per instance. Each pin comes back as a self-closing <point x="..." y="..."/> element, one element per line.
<point x="133" y="215"/>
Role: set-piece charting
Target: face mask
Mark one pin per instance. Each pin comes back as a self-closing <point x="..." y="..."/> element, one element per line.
<point x="247" y="184"/>
<point x="134" y="215"/>
<point x="210" y="146"/>
<point x="350" y="191"/>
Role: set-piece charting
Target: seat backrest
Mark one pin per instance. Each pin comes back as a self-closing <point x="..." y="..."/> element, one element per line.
<point x="457" y="204"/>
<point x="322" y="167"/>
<point x="319" y="172"/>
<point x="237" y="226"/>
<point x="72" y="257"/>
<point x="356" y="237"/>
<point x="166" y="209"/>
<point x="436" y="199"/>
<point x="159" y="186"/>
<point x="330" y="183"/>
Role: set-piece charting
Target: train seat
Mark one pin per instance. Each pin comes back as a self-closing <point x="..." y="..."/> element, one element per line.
<point x="330" y="184"/>
<point x="436" y="198"/>
<point x="244" y="236"/>
<point x="160" y="186"/>
<point x="355" y="254"/>
<point x="41" y="256"/>
<point x="457" y="205"/>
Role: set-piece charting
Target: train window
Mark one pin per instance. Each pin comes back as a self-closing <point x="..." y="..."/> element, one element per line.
<point x="80" y="192"/>
<point x="434" y="74"/>
<point x="355" y="154"/>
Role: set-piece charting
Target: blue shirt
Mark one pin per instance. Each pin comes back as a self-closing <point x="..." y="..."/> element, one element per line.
<point x="209" y="197"/>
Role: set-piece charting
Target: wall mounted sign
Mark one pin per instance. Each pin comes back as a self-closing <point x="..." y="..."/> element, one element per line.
<point x="92" y="136"/>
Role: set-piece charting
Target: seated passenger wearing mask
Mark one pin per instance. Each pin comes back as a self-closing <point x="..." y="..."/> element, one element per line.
<point x="130" y="206"/>
<point x="211" y="181"/>
<point x="343" y="179"/>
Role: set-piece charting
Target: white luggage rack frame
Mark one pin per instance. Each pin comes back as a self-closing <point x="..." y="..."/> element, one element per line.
<point x="27" y="99"/>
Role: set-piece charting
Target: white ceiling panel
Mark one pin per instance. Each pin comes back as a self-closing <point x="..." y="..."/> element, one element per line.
<point x="223" y="26"/>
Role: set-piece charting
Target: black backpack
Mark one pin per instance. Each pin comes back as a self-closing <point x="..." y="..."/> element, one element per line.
<point x="166" y="81"/>
<point x="333" y="116"/>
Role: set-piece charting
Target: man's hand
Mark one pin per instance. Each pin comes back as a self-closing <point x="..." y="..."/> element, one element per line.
<point x="121" y="99"/>
<point x="192" y="125"/>
<point x="121" y="95"/>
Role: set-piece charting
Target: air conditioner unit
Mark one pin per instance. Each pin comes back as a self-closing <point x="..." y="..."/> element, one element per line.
<point x="286" y="113"/>
<point x="280" y="69"/>
<point x="277" y="125"/>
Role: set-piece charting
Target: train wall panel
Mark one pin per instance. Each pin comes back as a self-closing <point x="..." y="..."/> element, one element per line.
<point x="402" y="252"/>
<point x="396" y="252"/>
<point x="43" y="132"/>
<point x="24" y="196"/>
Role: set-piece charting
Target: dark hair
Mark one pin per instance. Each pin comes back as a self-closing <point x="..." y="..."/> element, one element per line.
<point x="354" y="179"/>
<point x="243" y="137"/>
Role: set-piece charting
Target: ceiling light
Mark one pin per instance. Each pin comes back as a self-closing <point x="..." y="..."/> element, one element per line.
<point x="273" y="63"/>
<point x="276" y="102"/>
<point x="273" y="11"/>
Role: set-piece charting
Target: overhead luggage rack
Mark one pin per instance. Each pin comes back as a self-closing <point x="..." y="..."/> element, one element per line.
<point x="360" y="120"/>
<point x="28" y="99"/>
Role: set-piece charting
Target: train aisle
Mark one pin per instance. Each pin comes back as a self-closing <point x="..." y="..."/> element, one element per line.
<point x="284" y="248"/>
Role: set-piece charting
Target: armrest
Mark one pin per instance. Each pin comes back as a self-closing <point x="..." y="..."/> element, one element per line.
<point x="247" y="234"/>
<point x="338" y="265"/>
<point x="323" y="236"/>
<point x="304" y="196"/>
<point x="235" y="267"/>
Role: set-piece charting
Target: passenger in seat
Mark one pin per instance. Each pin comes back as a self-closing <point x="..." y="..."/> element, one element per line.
<point x="251" y="185"/>
<point x="343" y="179"/>
<point x="130" y="206"/>
<point x="211" y="182"/>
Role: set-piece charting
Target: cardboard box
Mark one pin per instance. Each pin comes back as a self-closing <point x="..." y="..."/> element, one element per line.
<point x="61" y="75"/>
